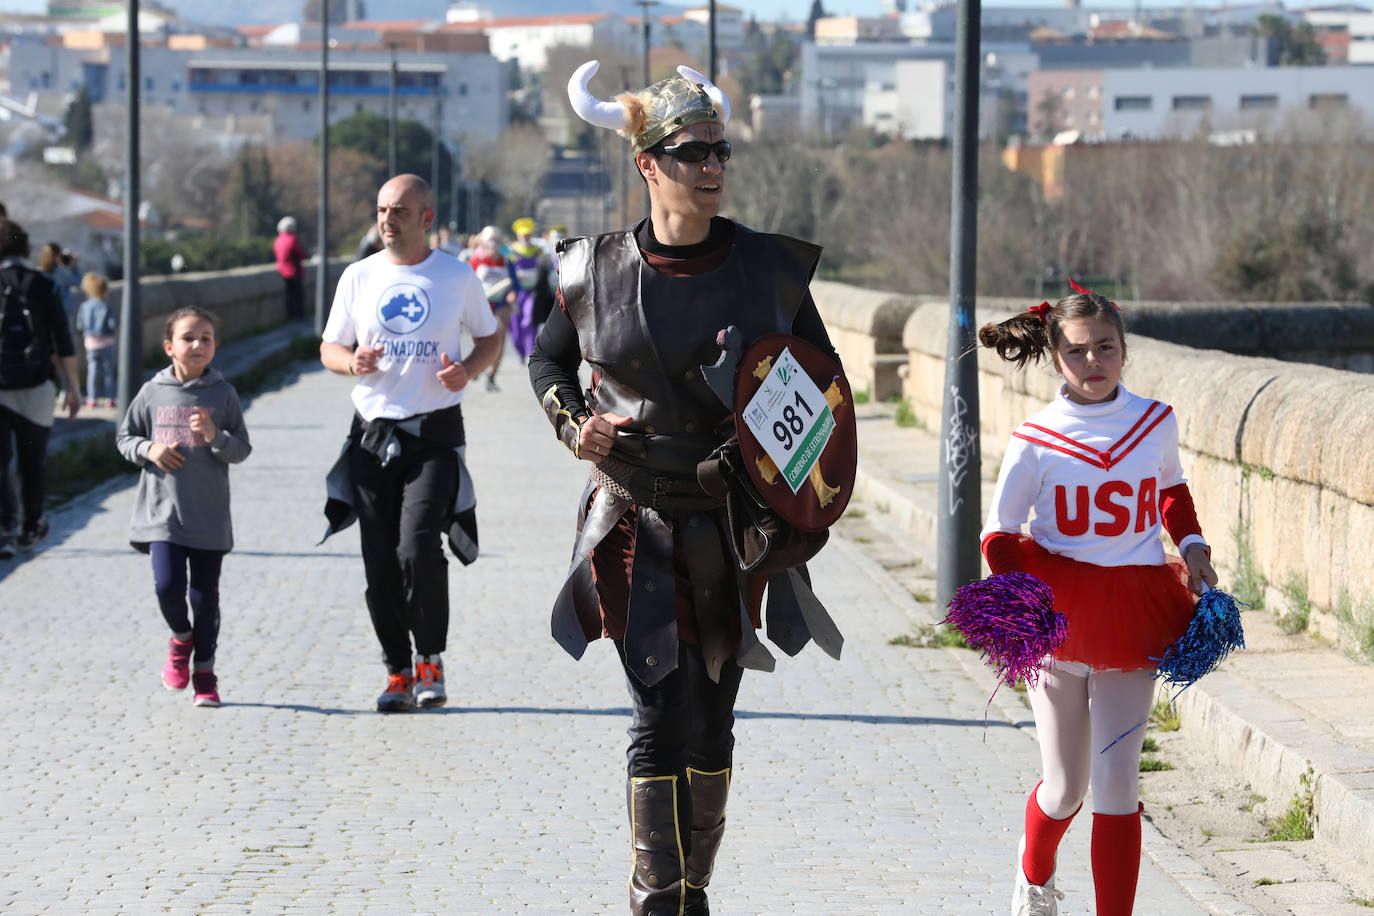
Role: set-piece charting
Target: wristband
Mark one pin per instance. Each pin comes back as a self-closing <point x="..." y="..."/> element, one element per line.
<point x="350" y="367"/>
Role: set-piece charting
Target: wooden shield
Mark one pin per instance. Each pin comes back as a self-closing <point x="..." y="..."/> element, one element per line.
<point x="822" y="498"/>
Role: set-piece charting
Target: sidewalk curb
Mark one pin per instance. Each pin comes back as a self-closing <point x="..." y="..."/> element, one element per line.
<point x="1268" y="745"/>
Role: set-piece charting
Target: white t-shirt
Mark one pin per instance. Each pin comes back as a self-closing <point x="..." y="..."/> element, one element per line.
<point x="416" y="312"/>
<point x="1092" y="474"/>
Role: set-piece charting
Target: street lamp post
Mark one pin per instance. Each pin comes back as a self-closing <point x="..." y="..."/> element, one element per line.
<point x="434" y="149"/>
<point x="712" y="25"/>
<point x="130" y="312"/>
<point x="391" y="117"/>
<point x="644" y="5"/>
<point x="322" y="234"/>
<point x="960" y="509"/>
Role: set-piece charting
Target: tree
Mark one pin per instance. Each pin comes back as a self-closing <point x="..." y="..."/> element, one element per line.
<point x="338" y="11"/>
<point x="79" y="128"/>
<point x="366" y="133"/>
<point x="817" y="12"/>
<point x="768" y="68"/>
<point x="1297" y="46"/>
<point x="250" y="204"/>
<point x="1050" y="106"/>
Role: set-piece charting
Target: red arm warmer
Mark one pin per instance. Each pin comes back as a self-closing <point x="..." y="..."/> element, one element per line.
<point x="1177" y="512"/>
<point x="1003" y="552"/>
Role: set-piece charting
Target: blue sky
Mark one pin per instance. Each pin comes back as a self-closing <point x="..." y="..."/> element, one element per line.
<point x="283" y="10"/>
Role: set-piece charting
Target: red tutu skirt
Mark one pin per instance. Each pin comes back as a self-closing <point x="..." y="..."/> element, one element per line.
<point x="1119" y="616"/>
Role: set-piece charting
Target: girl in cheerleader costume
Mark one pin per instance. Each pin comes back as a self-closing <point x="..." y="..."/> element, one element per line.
<point x="1099" y="467"/>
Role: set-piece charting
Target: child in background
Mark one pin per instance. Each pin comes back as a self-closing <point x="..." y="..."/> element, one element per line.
<point x="1100" y="468"/>
<point x="98" y="323"/>
<point x="185" y="428"/>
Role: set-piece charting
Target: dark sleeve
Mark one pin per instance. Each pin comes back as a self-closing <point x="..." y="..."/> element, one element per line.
<point x="808" y="326"/>
<point x="553" y="375"/>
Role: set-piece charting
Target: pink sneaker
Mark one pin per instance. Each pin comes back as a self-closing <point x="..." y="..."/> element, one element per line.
<point x="176" y="674"/>
<point x="207" y="688"/>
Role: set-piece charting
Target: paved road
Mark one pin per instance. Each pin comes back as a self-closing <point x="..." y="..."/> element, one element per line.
<point x="865" y="786"/>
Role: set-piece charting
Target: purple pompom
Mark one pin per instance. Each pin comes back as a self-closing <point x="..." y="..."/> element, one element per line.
<point x="1010" y="618"/>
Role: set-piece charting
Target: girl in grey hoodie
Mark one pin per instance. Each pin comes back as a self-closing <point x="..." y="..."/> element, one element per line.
<point x="185" y="427"/>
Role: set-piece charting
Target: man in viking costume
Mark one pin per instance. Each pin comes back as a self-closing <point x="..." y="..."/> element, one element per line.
<point x="654" y="567"/>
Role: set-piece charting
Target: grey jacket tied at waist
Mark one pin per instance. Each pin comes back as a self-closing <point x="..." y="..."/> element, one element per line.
<point x="646" y="335"/>
<point x="379" y="439"/>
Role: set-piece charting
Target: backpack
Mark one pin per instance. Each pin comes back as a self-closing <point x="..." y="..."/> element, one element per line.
<point x="25" y="335"/>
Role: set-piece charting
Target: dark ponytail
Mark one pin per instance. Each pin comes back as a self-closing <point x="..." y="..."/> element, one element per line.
<point x="1020" y="339"/>
<point x="1027" y="337"/>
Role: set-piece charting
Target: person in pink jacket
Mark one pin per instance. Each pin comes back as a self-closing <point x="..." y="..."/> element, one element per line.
<point x="290" y="260"/>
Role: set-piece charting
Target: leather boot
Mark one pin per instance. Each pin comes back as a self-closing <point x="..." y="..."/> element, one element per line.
<point x="656" y="884"/>
<point x="709" y="793"/>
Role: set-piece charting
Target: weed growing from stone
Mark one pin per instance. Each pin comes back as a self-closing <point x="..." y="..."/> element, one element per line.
<point x="1296" y="823"/>
<point x="1154" y="765"/>
<point x="1248" y="585"/>
<point x="1300" y="607"/>
<point x="930" y="636"/>
<point x="1165" y="717"/>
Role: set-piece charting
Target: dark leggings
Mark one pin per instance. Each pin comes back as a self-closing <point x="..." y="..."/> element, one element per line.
<point x="170" y="563"/>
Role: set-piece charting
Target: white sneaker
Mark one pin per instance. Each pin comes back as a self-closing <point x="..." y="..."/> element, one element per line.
<point x="429" y="681"/>
<point x="1033" y="899"/>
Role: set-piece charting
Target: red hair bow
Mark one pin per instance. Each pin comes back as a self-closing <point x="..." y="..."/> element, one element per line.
<point x="1087" y="292"/>
<point x="1041" y="311"/>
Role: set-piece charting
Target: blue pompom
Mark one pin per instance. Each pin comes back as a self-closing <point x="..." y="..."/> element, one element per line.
<point x="1214" y="631"/>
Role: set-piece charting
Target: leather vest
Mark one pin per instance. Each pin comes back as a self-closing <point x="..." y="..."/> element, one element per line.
<point x="645" y="334"/>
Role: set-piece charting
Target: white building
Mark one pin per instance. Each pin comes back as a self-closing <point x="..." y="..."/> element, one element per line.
<point x="527" y="39"/>
<point x="1361" y="29"/>
<point x="1177" y="102"/>
<point x="730" y="25"/>
<point x="280" y="82"/>
<point x="905" y="90"/>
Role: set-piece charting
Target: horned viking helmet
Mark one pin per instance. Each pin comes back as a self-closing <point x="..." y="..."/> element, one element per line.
<point x="646" y="117"/>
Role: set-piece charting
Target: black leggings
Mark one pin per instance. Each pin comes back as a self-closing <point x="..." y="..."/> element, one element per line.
<point x="30" y="449"/>
<point x="170" y="562"/>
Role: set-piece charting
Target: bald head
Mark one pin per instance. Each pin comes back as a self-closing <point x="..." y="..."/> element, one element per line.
<point x="405" y="211"/>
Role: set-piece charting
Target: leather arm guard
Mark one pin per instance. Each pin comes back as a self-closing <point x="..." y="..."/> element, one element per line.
<point x="566" y="427"/>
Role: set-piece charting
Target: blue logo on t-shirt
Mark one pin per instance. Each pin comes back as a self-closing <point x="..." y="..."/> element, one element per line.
<point x="403" y="308"/>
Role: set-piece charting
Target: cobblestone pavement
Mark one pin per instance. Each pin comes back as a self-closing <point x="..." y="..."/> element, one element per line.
<point x="865" y="786"/>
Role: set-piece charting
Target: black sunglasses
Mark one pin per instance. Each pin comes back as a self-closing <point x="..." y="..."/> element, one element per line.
<point x="698" y="150"/>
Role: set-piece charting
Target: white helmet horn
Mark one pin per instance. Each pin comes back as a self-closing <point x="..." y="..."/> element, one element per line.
<point x="588" y="107"/>
<point x="712" y="90"/>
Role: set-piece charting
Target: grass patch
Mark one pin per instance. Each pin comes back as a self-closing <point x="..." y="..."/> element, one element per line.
<point x="854" y="513"/>
<point x="862" y="397"/>
<point x="1150" y="746"/>
<point x="1248" y="585"/>
<point x="1359" y="622"/>
<point x="906" y="417"/>
<point x="1364" y="901"/>
<point x="1296" y="822"/>
<point x="860" y="539"/>
<point x="1300" y="606"/>
<point x="1265" y="882"/>
<point x="1164" y="717"/>
<point x="930" y="636"/>
<point x="82" y="465"/>
<point x="1154" y="765"/>
<point x="1255" y="799"/>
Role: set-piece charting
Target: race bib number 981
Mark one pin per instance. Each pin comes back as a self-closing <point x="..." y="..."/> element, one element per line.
<point x="791" y="419"/>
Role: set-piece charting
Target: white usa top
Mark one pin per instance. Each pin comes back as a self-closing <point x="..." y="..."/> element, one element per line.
<point x="416" y="312"/>
<point x="1092" y="473"/>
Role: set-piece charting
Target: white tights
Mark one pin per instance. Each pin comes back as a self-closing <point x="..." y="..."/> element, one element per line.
<point x="1078" y="712"/>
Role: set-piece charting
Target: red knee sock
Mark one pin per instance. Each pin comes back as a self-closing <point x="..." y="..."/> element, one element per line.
<point x="1116" y="861"/>
<point x="1043" y="834"/>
